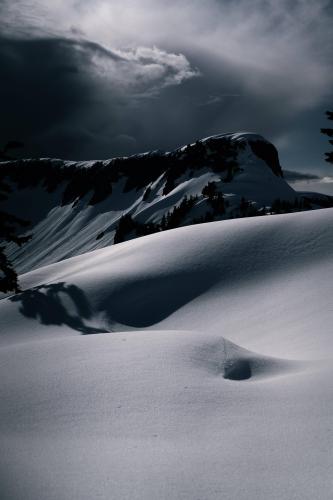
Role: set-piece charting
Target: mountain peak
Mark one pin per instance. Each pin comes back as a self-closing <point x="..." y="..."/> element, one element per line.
<point x="80" y="206"/>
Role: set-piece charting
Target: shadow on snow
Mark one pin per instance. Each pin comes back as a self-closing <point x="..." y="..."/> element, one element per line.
<point x="46" y="304"/>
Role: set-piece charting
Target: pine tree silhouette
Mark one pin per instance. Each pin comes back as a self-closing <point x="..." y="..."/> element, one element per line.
<point x="10" y="226"/>
<point x="10" y="229"/>
<point x="329" y="133"/>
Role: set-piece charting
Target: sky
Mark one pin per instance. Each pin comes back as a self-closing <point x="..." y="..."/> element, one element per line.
<point x="93" y="79"/>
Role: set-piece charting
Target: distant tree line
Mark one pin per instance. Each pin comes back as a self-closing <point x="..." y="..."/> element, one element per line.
<point x="127" y="225"/>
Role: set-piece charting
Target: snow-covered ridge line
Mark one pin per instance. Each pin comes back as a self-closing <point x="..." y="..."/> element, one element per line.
<point x="233" y="136"/>
<point x="235" y="140"/>
<point x="80" y="206"/>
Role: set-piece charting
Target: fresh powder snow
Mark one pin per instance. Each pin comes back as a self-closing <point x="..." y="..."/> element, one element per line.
<point x="190" y="364"/>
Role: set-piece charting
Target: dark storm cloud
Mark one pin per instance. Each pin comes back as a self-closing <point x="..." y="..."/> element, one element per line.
<point x="292" y="176"/>
<point x="98" y="78"/>
<point x="304" y="182"/>
<point x="43" y="88"/>
<point x="75" y="98"/>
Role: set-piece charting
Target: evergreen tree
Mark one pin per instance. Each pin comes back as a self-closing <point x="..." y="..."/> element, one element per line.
<point x="218" y="204"/>
<point x="125" y="226"/>
<point x="209" y="190"/>
<point x="9" y="229"/>
<point x="163" y="223"/>
<point x="329" y="133"/>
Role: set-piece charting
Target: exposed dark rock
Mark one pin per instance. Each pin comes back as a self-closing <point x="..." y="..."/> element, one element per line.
<point x="267" y="152"/>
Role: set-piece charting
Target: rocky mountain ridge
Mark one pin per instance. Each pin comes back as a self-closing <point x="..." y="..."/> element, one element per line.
<point x="76" y="207"/>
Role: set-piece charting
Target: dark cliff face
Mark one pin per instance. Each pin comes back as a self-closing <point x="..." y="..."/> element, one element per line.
<point x="267" y="152"/>
<point x="220" y="154"/>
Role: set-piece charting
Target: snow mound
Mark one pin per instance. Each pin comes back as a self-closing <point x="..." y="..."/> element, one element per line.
<point x="223" y="358"/>
<point x="221" y="276"/>
<point x="190" y="364"/>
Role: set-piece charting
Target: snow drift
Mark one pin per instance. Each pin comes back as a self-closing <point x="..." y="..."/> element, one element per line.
<point x="193" y="363"/>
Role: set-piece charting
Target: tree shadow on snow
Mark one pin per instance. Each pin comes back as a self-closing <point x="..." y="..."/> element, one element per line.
<point x="47" y="303"/>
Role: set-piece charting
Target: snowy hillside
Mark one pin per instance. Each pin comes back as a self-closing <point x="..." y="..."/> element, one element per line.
<point x="190" y="364"/>
<point x="79" y="207"/>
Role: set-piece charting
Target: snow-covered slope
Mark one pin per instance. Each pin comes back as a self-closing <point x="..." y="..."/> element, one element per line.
<point x="190" y="364"/>
<point x="77" y="207"/>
